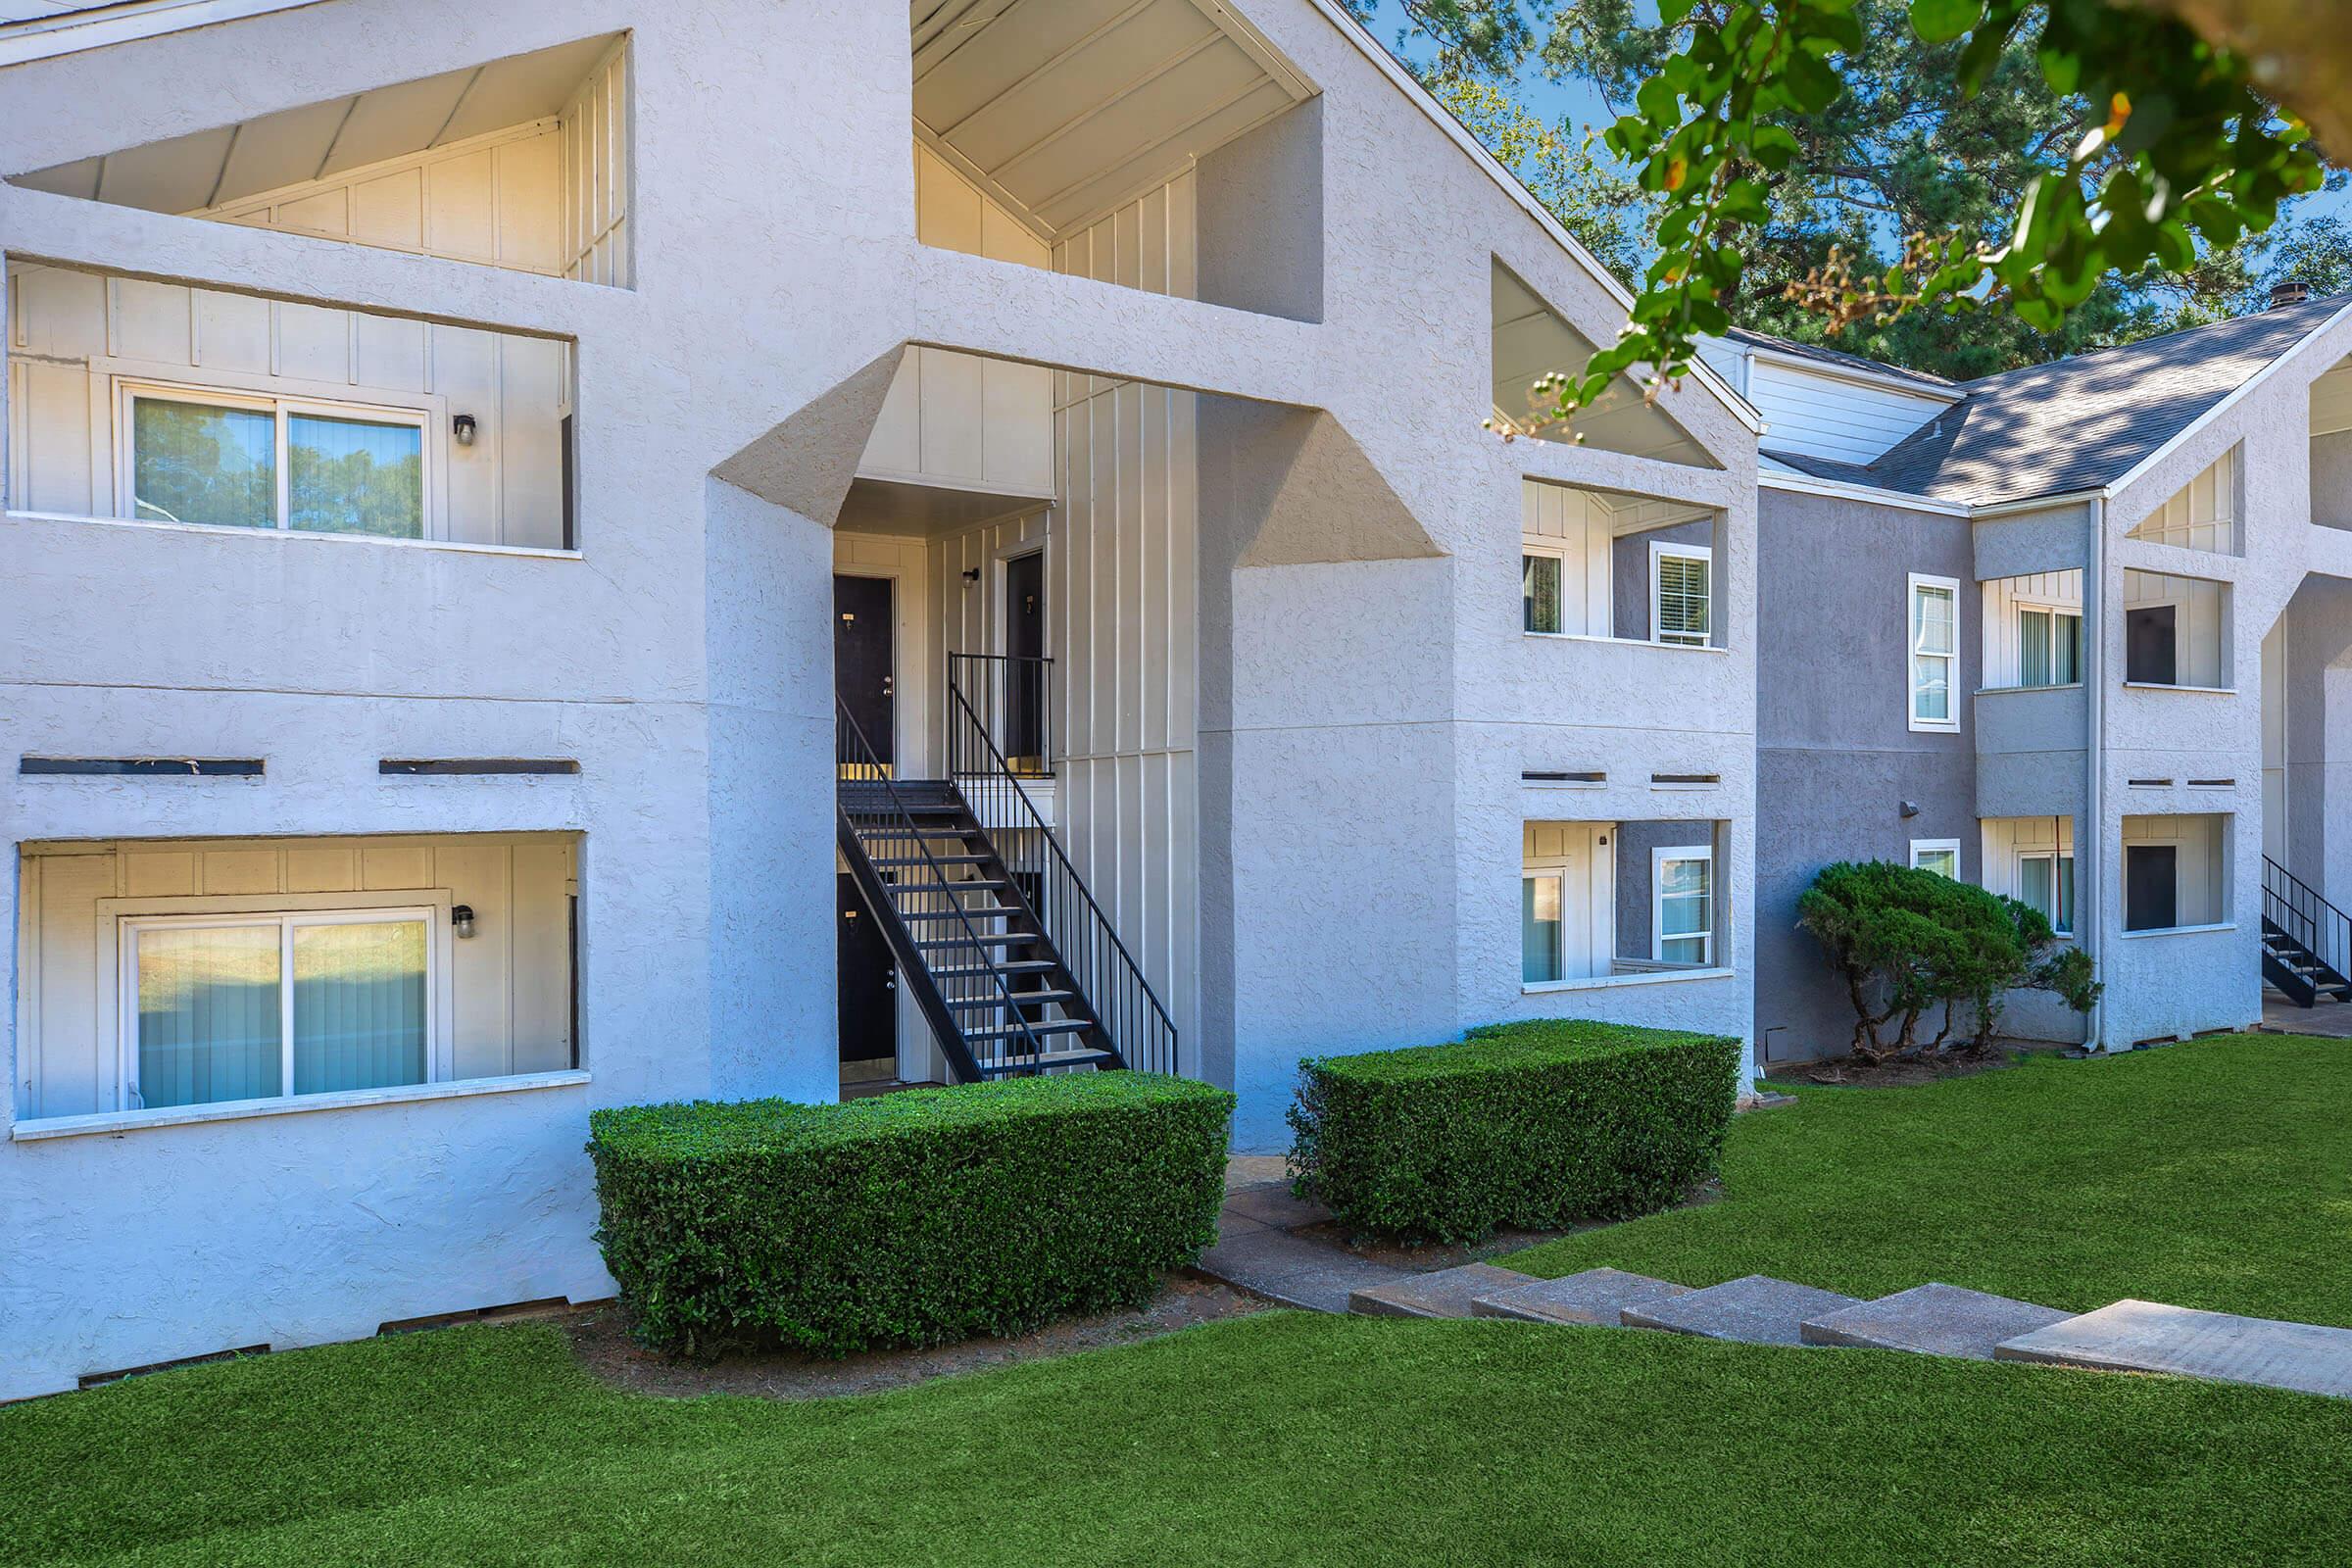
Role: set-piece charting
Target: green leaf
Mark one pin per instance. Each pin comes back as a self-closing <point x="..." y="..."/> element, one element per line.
<point x="1942" y="20"/>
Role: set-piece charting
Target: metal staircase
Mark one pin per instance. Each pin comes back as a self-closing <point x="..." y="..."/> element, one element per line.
<point x="1009" y="957"/>
<point x="2306" y="940"/>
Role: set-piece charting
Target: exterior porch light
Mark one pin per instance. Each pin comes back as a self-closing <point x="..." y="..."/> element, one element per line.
<point x="461" y="919"/>
<point x="463" y="427"/>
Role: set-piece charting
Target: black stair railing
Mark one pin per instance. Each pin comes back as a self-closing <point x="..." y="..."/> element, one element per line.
<point x="874" y="813"/>
<point x="2307" y="920"/>
<point x="1122" y="1000"/>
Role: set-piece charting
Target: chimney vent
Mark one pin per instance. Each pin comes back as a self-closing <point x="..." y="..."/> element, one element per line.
<point x="2295" y="291"/>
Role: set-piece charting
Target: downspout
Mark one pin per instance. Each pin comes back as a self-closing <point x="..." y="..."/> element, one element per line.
<point x="2090" y="834"/>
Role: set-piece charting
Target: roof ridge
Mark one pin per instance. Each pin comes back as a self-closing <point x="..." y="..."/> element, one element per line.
<point x="2336" y="301"/>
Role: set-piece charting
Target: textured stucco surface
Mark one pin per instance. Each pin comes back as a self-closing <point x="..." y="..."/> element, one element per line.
<point x="1361" y="741"/>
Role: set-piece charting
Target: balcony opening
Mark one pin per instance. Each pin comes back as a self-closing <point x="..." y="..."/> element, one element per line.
<point x="1624" y="568"/>
<point x="1534" y="340"/>
<point x="2203" y="515"/>
<point x="1163" y="146"/>
<point x="521" y="163"/>
<point x="167" y="404"/>
<point x="2031" y="860"/>
<point x="2176" y="631"/>
<point x="2176" y="871"/>
<point x="1617" y="902"/>
<point x="275" y="973"/>
<point x="2331" y="421"/>
<point x="2033" y="631"/>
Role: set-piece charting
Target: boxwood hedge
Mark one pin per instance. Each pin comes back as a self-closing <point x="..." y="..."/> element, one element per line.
<point x="1532" y="1126"/>
<point x="909" y="1219"/>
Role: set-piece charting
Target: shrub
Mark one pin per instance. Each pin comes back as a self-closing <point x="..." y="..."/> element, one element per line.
<point x="909" y="1219"/>
<point x="1904" y="941"/>
<point x="1534" y="1126"/>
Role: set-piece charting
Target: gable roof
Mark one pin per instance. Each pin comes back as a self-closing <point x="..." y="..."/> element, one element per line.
<point x="1840" y="360"/>
<point x="2081" y="422"/>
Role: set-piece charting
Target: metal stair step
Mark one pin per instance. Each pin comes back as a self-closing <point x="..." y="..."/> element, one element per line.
<point x="1002" y="938"/>
<point x="1060" y="1026"/>
<point x="1002" y="1066"/>
<point x="1023" y="999"/>
<point x="981" y="911"/>
<point x="982" y="972"/>
<point x="894" y="860"/>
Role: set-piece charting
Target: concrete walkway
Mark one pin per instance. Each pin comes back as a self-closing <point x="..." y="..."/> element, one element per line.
<point x="2331" y="1019"/>
<point x="1273" y="1245"/>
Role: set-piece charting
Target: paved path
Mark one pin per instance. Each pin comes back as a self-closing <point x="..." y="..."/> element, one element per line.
<point x="1273" y="1245"/>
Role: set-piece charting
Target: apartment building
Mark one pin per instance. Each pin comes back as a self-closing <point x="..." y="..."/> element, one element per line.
<point x="562" y="555"/>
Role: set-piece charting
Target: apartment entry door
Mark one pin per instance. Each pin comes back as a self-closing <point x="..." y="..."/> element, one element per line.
<point x="1025" y="674"/>
<point x="862" y="656"/>
<point x="868" y="990"/>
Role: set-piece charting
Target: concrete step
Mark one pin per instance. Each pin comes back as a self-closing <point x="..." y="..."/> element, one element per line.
<point x="1597" y="1296"/>
<point x="1757" y="1310"/>
<point x="2149" y="1337"/>
<point x="1932" y="1320"/>
<point x="1444" y="1292"/>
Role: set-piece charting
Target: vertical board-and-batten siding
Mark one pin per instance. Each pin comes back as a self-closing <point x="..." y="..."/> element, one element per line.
<point x="72" y="335"/>
<point x="1826" y="416"/>
<point x="1123" y="584"/>
<point x="2057" y="591"/>
<point x="511" y="980"/>
<point x="1581" y="526"/>
<point x="597" y="178"/>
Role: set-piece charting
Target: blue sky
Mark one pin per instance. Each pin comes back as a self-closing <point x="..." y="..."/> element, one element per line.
<point x="1550" y="100"/>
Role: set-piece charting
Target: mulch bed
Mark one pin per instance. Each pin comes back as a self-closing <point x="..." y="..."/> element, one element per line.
<point x="599" y="1338"/>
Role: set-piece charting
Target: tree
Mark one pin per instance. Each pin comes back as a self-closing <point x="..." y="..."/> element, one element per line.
<point x="1905" y="941"/>
<point x="1955" y="185"/>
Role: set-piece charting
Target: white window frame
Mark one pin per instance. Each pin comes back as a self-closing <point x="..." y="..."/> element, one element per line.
<point x="1659" y="552"/>
<point x="1531" y="545"/>
<point x="1923" y="847"/>
<point x="2021" y="608"/>
<point x="2057" y="859"/>
<point x="283" y="407"/>
<point x="1660" y="857"/>
<point x="1558" y="876"/>
<point x="1911" y="655"/>
<point x="120" y="921"/>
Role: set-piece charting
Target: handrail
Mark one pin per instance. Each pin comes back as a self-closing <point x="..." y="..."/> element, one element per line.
<point x="856" y="763"/>
<point x="1021" y="685"/>
<point x="2304" y="913"/>
<point x="1123" y="1003"/>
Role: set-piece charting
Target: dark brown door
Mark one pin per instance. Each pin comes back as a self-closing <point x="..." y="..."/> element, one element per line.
<point x="861" y="659"/>
<point x="1024" y="739"/>
<point x="2152" y="887"/>
<point x="870" y="984"/>
<point x="2150" y="646"/>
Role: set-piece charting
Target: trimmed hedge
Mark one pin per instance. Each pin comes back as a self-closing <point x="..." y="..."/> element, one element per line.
<point x="1530" y="1126"/>
<point x="907" y="1219"/>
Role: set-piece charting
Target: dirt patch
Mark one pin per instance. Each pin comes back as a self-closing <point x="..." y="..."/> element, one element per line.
<point x="601" y="1340"/>
<point x="1852" y="1072"/>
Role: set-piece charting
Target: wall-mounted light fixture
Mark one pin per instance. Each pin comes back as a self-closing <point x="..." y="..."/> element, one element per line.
<point x="971" y="574"/>
<point x="461" y="919"/>
<point x="1910" y="809"/>
<point x="463" y="426"/>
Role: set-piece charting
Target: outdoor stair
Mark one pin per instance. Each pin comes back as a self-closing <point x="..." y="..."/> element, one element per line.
<point x="1597" y="1296"/>
<point x="1756" y="1309"/>
<point x="987" y="976"/>
<point x="2306" y="940"/>
<point x="1933" y="1321"/>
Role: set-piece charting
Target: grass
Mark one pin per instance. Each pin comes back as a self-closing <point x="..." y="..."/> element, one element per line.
<point x="1280" y="1437"/>
<point x="2215" y="1174"/>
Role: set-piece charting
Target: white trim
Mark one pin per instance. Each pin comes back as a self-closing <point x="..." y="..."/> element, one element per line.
<point x="1951" y="846"/>
<point x="1659" y="856"/>
<point x="1888" y="379"/>
<point x="71" y="32"/>
<point x="223" y="530"/>
<point x="2167" y="686"/>
<point x="1950" y="725"/>
<point x="2176" y="930"/>
<point x="121" y="1121"/>
<point x="2059" y="856"/>
<point x="1649" y="977"/>
<point x="1541" y="545"/>
<point x="2046" y="502"/>
<point x="1625" y="642"/>
<point x="1839" y="490"/>
<point x="1402" y="79"/>
<point x="1659" y="552"/>
<point x="1557" y="875"/>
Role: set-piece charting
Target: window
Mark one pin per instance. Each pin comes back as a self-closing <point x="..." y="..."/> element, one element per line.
<point x="238" y="462"/>
<point x="1682" y="904"/>
<point x="2049" y="647"/>
<point x="2045" y="881"/>
<point x="262" y="1006"/>
<point x="1540" y="591"/>
<point x="1940" y="856"/>
<point x="1540" y="956"/>
<point x="1679" y="588"/>
<point x="1935" y="651"/>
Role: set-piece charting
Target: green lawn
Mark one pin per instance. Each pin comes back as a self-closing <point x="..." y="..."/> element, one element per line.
<point x="1280" y="1439"/>
<point x="2215" y="1174"/>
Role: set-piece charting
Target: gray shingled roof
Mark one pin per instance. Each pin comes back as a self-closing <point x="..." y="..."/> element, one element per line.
<point x="1829" y="356"/>
<point x="2081" y="422"/>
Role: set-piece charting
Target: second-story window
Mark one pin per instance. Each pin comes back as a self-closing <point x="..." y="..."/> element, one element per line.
<point x="1935" y="651"/>
<point x="1540" y="591"/>
<point x="1680" y="584"/>
<point x="240" y="462"/>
